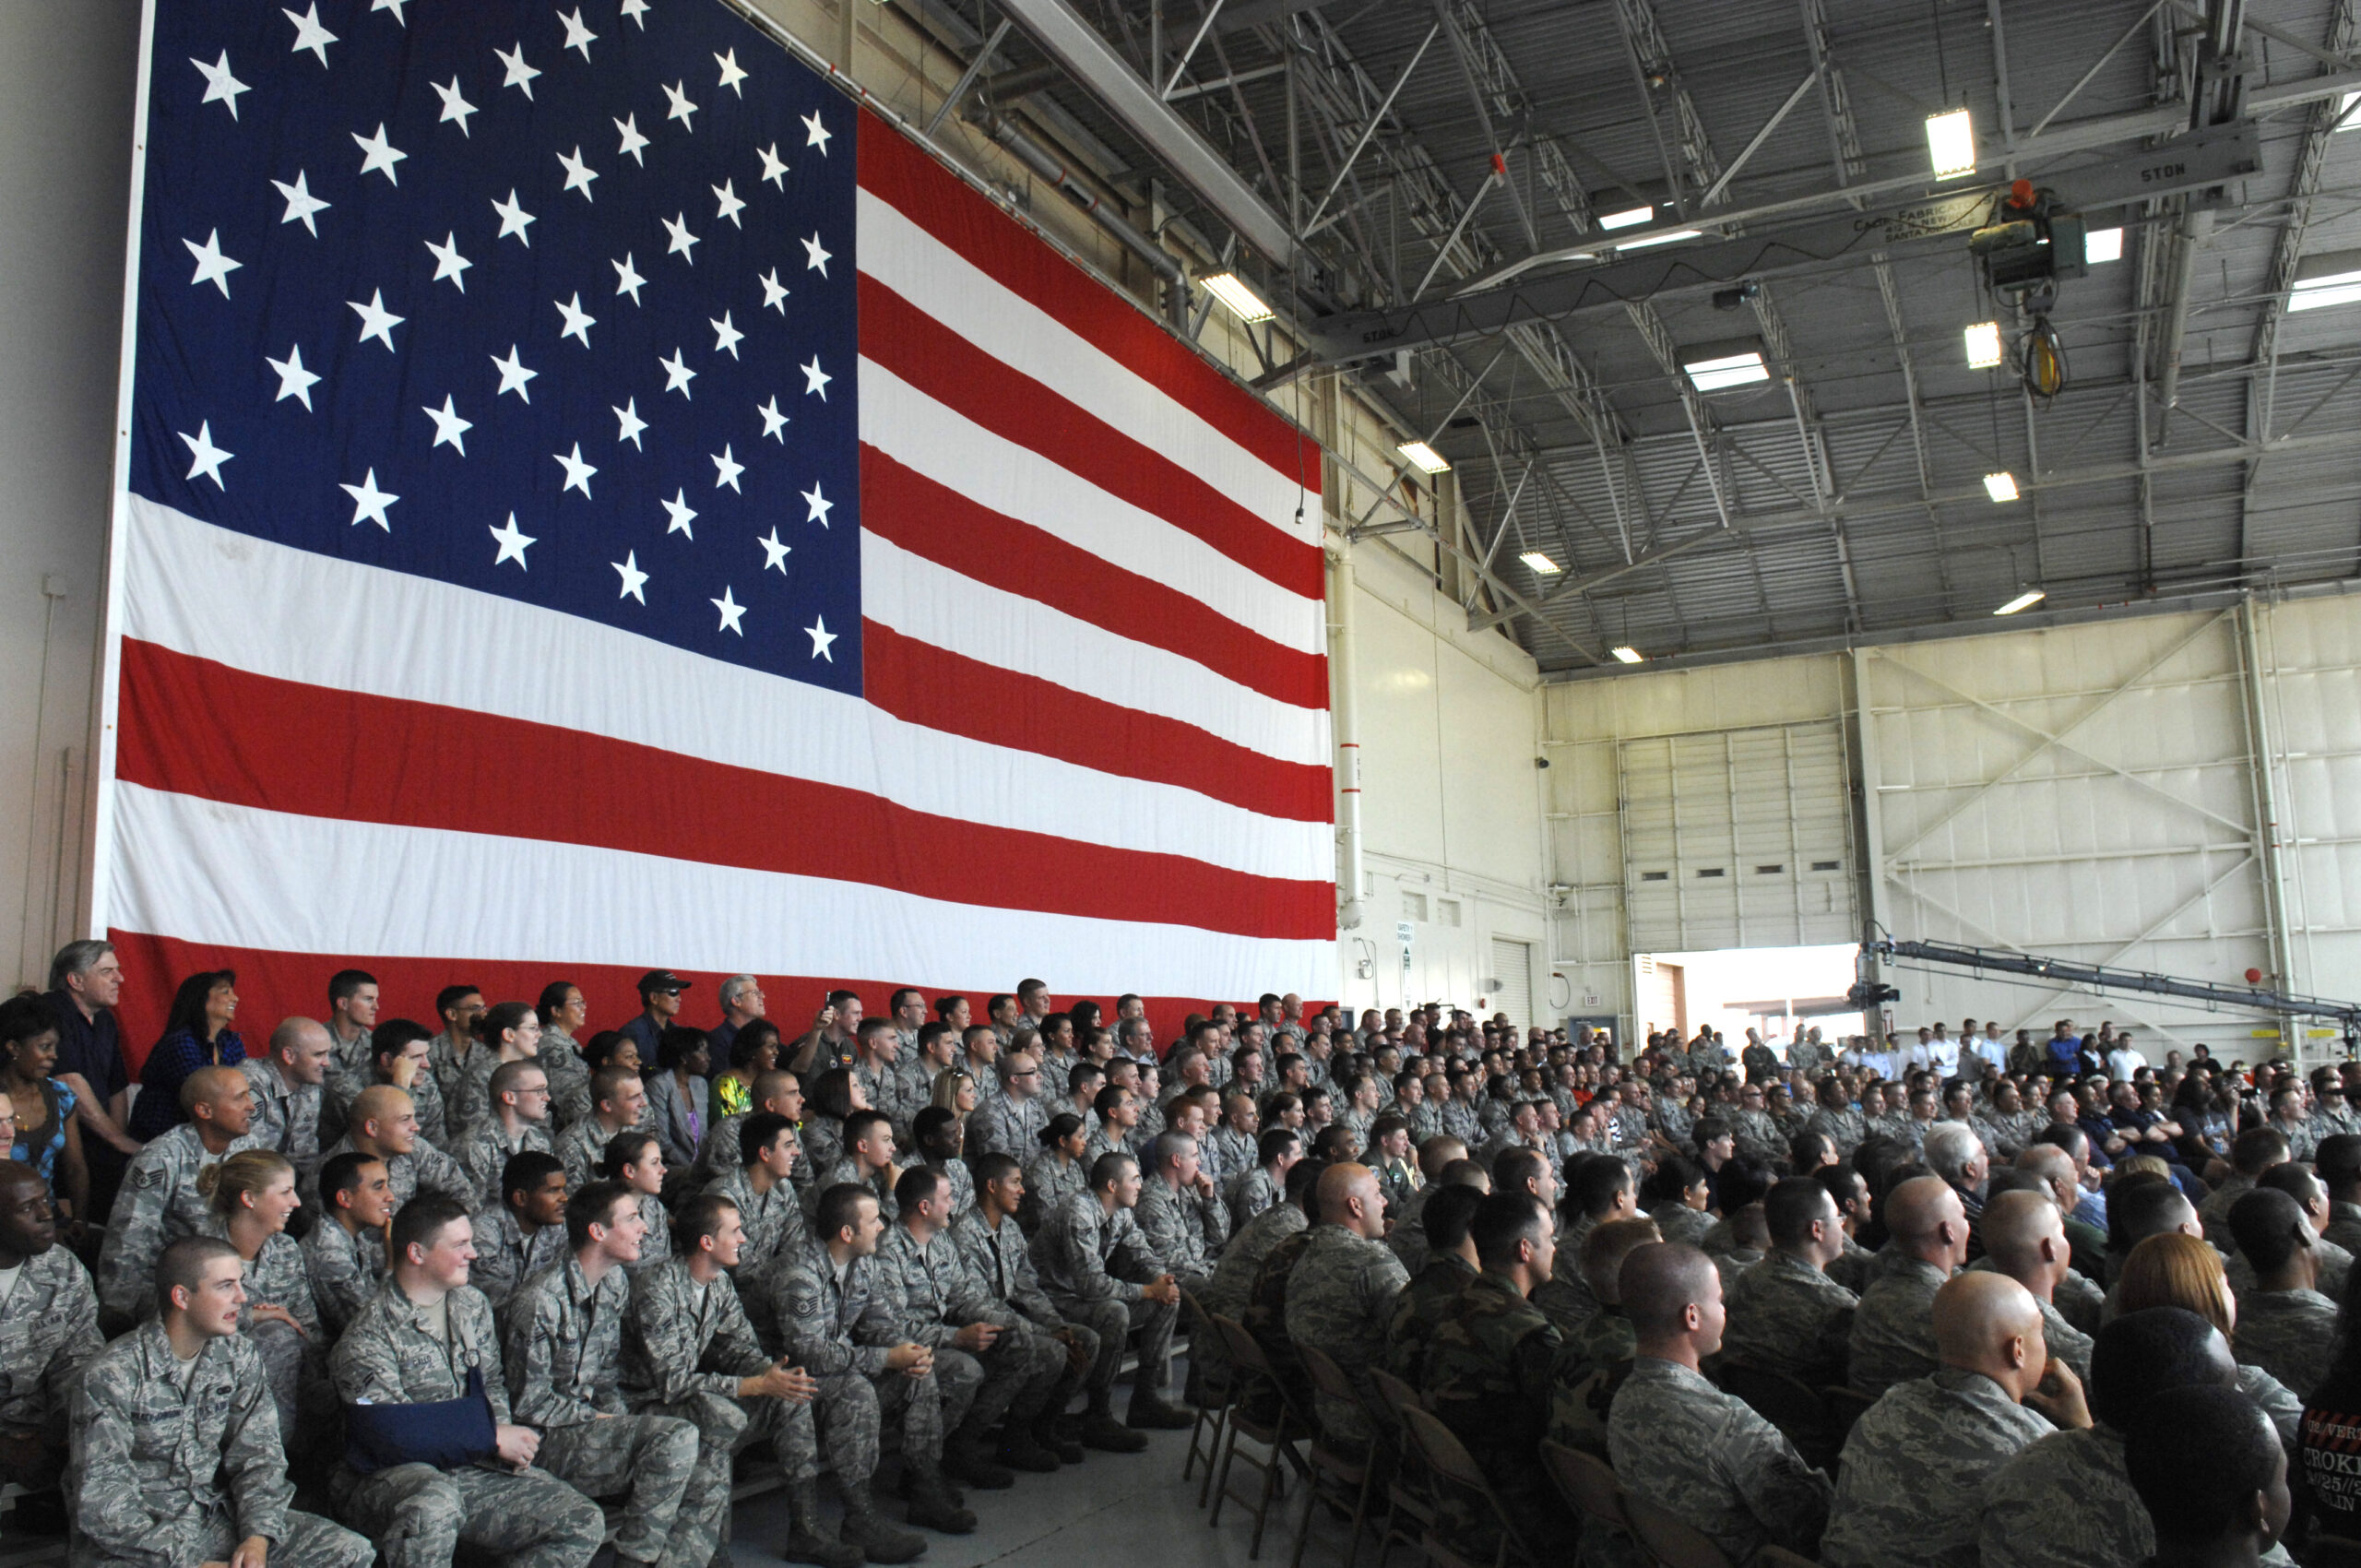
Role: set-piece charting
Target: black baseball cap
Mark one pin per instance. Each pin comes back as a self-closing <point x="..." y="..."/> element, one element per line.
<point x="661" y="980"/>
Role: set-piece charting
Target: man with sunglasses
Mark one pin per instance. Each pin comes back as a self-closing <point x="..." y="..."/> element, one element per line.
<point x="659" y="1002"/>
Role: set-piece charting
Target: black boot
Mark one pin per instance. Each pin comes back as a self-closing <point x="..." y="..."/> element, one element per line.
<point x="965" y="1459"/>
<point x="806" y="1540"/>
<point x="877" y="1540"/>
<point x="931" y="1505"/>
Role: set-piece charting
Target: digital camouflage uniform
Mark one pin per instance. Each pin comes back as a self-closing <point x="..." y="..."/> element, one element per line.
<point x="569" y="1077"/>
<point x="839" y="1329"/>
<point x="484" y="1151"/>
<point x="1088" y="1259"/>
<point x="1421" y="1305"/>
<point x="1250" y="1193"/>
<point x="296" y="1363"/>
<point x="345" y="1270"/>
<point x="1704" y="1456"/>
<point x="286" y="1118"/>
<point x="2065" y="1502"/>
<point x="1226" y="1293"/>
<point x="159" y="1205"/>
<point x="506" y="1256"/>
<point x="998" y="1261"/>
<point x="892" y="1094"/>
<point x="1005" y="1124"/>
<point x="1049" y="1179"/>
<point x="1340" y="1298"/>
<point x="1786" y="1316"/>
<point x="2335" y="1266"/>
<point x="1915" y="1468"/>
<point x="351" y="1063"/>
<point x="1845" y="1128"/>
<point x="166" y="1473"/>
<point x="1759" y="1136"/>
<point x="562" y="1343"/>
<point x="1677" y="1222"/>
<point x="464" y="1083"/>
<point x="49" y="1332"/>
<point x="685" y="1349"/>
<point x="1187" y="1229"/>
<point x="418" y="1515"/>
<point x="1894" y="1328"/>
<point x="582" y="1149"/>
<point x="1488" y="1380"/>
<point x="2289" y="1333"/>
<point x="1564" y="1298"/>
<point x="425" y="1098"/>
<point x="931" y="1296"/>
<point x="1407" y="1240"/>
<point x="424" y="1168"/>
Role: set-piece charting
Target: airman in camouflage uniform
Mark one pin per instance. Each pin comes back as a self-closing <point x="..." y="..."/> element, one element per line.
<point x="992" y="1245"/>
<point x="1008" y="1124"/>
<point x="1786" y="1316"/>
<point x="1894" y="1334"/>
<point x="569" y="1076"/>
<point x="1179" y="1212"/>
<point x="412" y="1165"/>
<point x="1225" y="1295"/>
<point x="1420" y="1306"/>
<point x="486" y="1150"/>
<point x="1341" y="1296"/>
<point x="2288" y="1334"/>
<point x="292" y="1360"/>
<point x="562" y="1345"/>
<point x="345" y="1269"/>
<point x="1706" y="1457"/>
<point x="159" y="1203"/>
<point x="286" y="1096"/>
<point x="49" y="1332"/>
<point x="1915" y="1470"/>
<point x="180" y="1462"/>
<point x="507" y="1255"/>
<point x="1090" y="1250"/>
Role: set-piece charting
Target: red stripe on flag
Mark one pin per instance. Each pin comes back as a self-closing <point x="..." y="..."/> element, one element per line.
<point x="898" y="171"/>
<point x="1013" y="406"/>
<point x="925" y="685"/>
<point x="313" y="750"/>
<point x="934" y="520"/>
<point x="274" y="984"/>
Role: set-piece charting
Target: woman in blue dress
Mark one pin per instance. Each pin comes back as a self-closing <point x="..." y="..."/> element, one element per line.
<point x="196" y="1034"/>
<point x="45" y="1136"/>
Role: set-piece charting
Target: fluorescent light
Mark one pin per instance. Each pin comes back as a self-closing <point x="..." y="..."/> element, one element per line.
<point x="1627" y="655"/>
<point x="2000" y="486"/>
<point x="1983" y="345"/>
<point x="2329" y="288"/>
<point x="1645" y="240"/>
<point x="2101" y="246"/>
<point x="1426" y="458"/>
<point x="2024" y="600"/>
<point x="1541" y="563"/>
<point x="1243" y="302"/>
<point x="1950" y="144"/>
<point x="2346" y="120"/>
<point x="1732" y="370"/>
<point x="1628" y="217"/>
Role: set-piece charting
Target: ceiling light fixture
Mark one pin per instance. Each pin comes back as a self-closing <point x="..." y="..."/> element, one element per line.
<point x="1730" y="362"/>
<point x="2000" y="487"/>
<point x="2324" y="279"/>
<point x="2101" y="245"/>
<point x="2346" y="120"/>
<point x="1983" y="345"/>
<point x="1541" y="563"/>
<point x="1950" y="144"/>
<point x="1627" y="655"/>
<point x="2024" y="600"/>
<point x="1627" y="217"/>
<point x="1425" y="457"/>
<point x="1243" y="302"/>
<point x="1645" y="240"/>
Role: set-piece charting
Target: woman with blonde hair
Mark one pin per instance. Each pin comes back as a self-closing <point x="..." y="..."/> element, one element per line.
<point x="955" y="1090"/>
<point x="2177" y="1270"/>
<point x="249" y="1198"/>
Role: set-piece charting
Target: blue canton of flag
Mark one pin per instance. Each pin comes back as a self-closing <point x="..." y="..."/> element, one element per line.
<point x="551" y="301"/>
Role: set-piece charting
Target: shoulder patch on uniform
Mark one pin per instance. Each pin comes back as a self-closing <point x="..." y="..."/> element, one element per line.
<point x="147" y="1176"/>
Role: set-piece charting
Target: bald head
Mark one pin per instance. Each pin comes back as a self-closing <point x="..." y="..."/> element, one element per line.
<point x="293" y="1034"/>
<point x="1928" y="1221"/>
<point x="384" y="1119"/>
<point x="1989" y="1324"/>
<point x="2053" y="1165"/>
<point x="2026" y="1239"/>
<point x="1348" y="1196"/>
<point x="210" y="1086"/>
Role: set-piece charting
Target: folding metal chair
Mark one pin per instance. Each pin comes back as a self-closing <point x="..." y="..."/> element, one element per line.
<point x="1247" y="1363"/>
<point x="1336" y="1477"/>
<point x="1219" y="1388"/>
<point x="1670" y="1540"/>
<point x="1793" y="1407"/>
<point x="1406" y="1485"/>
<point x="1454" y="1466"/>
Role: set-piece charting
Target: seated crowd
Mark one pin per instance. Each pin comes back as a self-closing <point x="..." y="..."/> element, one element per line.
<point x="458" y="1283"/>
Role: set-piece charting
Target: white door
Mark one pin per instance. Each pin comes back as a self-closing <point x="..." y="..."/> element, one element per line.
<point x="1513" y="966"/>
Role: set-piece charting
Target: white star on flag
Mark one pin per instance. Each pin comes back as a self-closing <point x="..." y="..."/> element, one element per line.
<point x="817" y="134"/>
<point x="376" y="321"/>
<point x="677" y="374"/>
<point x="626" y="281"/>
<point x="512" y="541"/>
<point x="208" y="458"/>
<point x="815" y="259"/>
<point x="513" y="220"/>
<point x="817" y="505"/>
<point x="774" y="422"/>
<point x="577" y="33"/>
<point x="637" y="11"/>
<point x="628" y="418"/>
<point x="635" y="144"/>
<point x="448" y="262"/>
<point x="727" y="469"/>
<point x="774" y="166"/>
<point x="454" y="106"/>
<point x="220" y="87"/>
<point x="578" y="322"/>
<point x="301" y="202"/>
<point x="294" y="381"/>
<point x="731" y="74"/>
<point x="681" y="108"/>
<point x="774" y="553"/>
<point x="682" y="513"/>
<point x="774" y="291"/>
<point x="520" y="75"/>
<point x="370" y="502"/>
<point x="379" y="154"/>
<point x="392" y="6"/>
<point x="634" y="578"/>
<point x="212" y="267"/>
<point x="730" y="613"/>
<point x="815" y="379"/>
<point x="513" y="374"/>
<point x="310" y="34"/>
<point x="577" y="472"/>
<point x="820" y="637"/>
<point x="450" y="430"/>
<point x="726" y="194"/>
<point x="683" y="242"/>
<point x="726" y="336"/>
<point x="578" y="174"/>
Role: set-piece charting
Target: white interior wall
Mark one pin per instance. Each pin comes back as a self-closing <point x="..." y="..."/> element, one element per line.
<point x="66" y="81"/>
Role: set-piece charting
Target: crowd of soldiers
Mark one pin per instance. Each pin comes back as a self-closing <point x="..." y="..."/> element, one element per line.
<point x="460" y="1286"/>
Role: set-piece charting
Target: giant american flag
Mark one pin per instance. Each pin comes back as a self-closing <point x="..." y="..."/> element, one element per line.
<point x="592" y="496"/>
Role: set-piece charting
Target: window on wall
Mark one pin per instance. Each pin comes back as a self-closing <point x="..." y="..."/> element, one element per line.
<point x="1414" y="906"/>
<point x="1447" y="912"/>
